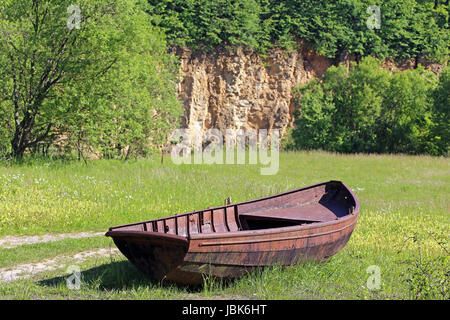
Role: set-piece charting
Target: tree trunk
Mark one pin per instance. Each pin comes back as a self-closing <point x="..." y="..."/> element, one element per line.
<point x="18" y="149"/>
<point x="18" y="152"/>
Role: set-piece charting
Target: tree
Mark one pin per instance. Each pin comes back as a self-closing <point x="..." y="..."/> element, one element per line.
<point x="314" y="126"/>
<point x="409" y="28"/>
<point x="341" y="113"/>
<point x="406" y="118"/>
<point x="96" y="73"/>
<point x="367" y="109"/>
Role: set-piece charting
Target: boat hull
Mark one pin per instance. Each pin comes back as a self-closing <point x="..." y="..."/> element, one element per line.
<point x="153" y="254"/>
<point x="228" y="255"/>
<point x="233" y="257"/>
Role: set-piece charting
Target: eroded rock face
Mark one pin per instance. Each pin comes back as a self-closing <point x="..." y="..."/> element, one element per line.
<point x="240" y="90"/>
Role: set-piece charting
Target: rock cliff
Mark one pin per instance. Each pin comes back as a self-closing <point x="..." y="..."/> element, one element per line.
<point x="234" y="89"/>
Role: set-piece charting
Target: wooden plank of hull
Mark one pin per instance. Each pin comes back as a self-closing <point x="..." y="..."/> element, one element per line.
<point x="270" y="239"/>
<point x="235" y="264"/>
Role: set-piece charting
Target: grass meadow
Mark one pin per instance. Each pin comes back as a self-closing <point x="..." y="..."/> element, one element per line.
<point x="403" y="227"/>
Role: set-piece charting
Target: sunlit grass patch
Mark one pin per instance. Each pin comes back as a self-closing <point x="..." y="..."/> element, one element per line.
<point x="403" y="226"/>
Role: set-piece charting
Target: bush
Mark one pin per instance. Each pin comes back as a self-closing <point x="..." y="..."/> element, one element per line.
<point x="314" y="123"/>
<point x="406" y="119"/>
<point x="367" y="109"/>
<point x="428" y="277"/>
<point x="440" y="132"/>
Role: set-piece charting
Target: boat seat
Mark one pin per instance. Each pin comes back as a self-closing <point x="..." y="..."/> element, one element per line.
<point x="313" y="212"/>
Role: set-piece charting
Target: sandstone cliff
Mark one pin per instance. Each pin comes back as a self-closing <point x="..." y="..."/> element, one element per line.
<point x="240" y="89"/>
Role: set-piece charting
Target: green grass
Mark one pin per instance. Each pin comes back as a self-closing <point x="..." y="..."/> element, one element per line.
<point x="403" y="227"/>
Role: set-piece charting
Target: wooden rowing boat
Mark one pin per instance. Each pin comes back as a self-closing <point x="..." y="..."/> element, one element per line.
<point x="311" y="223"/>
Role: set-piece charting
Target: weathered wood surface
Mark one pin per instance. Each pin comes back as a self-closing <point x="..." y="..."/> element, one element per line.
<point x="312" y="223"/>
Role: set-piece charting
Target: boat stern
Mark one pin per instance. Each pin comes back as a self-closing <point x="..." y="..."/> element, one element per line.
<point x="155" y="254"/>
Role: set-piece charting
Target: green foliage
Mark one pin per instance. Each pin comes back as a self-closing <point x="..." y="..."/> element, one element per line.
<point x="404" y="125"/>
<point x="409" y="28"/>
<point x="206" y="24"/>
<point x="370" y="110"/>
<point x="428" y="276"/>
<point x="107" y="85"/>
<point x="287" y="141"/>
<point x="441" y="114"/>
<point x="315" y="121"/>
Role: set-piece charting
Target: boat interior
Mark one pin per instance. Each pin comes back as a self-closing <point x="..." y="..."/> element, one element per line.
<point x="320" y="203"/>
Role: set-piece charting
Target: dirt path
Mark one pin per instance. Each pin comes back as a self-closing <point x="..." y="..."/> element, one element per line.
<point x="8" y="242"/>
<point x="27" y="270"/>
